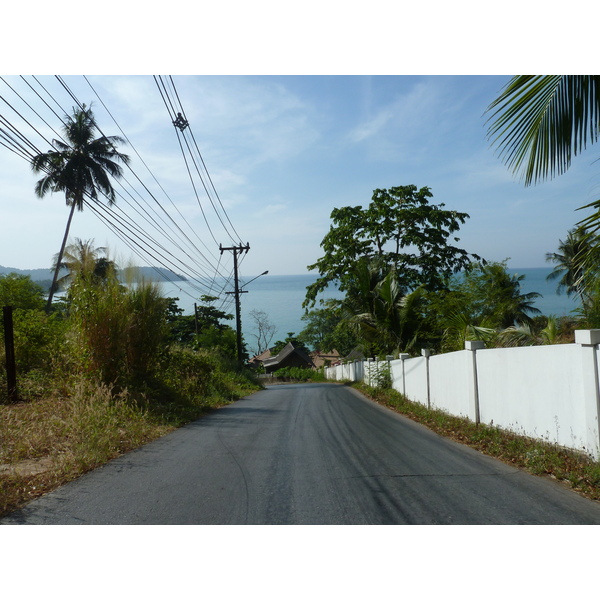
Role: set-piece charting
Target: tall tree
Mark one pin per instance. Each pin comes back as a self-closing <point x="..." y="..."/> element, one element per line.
<point x="569" y="269"/>
<point x="265" y="330"/>
<point x="399" y="229"/>
<point x="80" y="166"/>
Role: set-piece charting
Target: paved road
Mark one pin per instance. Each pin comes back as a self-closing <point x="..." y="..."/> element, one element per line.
<point x="307" y="454"/>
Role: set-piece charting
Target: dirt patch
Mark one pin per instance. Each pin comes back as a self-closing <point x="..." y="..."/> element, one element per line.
<point x="25" y="468"/>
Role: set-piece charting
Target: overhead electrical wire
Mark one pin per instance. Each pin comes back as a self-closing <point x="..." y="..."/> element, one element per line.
<point x="174" y="112"/>
<point x="147" y="168"/>
<point x="204" y="165"/>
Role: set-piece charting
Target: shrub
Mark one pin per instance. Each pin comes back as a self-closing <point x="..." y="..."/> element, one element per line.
<point x="118" y="332"/>
<point x="299" y="374"/>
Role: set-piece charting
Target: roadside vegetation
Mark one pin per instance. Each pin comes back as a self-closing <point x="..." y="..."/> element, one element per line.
<point x="299" y="374"/>
<point x="111" y="367"/>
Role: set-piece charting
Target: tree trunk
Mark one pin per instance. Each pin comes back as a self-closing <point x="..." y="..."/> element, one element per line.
<point x="60" y="256"/>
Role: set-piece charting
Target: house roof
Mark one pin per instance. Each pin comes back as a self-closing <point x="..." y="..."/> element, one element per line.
<point x="320" y="358"/>
<point x="261" y="357"/>
<point x="288" y="349"/>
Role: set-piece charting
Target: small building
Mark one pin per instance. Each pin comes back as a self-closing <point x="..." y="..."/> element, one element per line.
<point x="289" y="356"/>
<point x="325" y="359"/>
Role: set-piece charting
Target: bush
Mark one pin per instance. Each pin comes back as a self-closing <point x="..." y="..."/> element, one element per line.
<point x="118" y="332"/>
<point x="299" y="374"/>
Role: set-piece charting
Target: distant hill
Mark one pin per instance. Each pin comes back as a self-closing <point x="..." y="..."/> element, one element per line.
<point x="149" y="273"/>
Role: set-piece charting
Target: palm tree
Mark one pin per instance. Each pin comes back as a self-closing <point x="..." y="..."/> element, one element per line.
<point x="80" y="167"/>
<point x="379" y="312"/>
<point x="569" y="263"/>
<point x="82" y="257"/>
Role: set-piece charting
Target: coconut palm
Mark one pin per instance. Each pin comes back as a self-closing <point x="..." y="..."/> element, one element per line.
<point x="569" y="263"/>
<point x="379" y="312"/>
<point x="80" y="166"/>
<point x="83" y="257"/>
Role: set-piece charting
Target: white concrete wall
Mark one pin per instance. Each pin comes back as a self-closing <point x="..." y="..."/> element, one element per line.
<point x="536" y="391"/>
<point x="450" y="378"/>
<point x="415" y="371"/>
<point x="546" y="392"/>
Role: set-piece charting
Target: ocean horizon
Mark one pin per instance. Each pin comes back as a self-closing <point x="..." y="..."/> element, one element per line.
<point x="281" y="297"/>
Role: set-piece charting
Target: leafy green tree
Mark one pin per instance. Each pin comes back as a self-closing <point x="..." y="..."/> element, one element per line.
<point x="80" y="167"/>
<point x="325" y="329"/>
<point x="494" y="294"/>
<point x="185" y="327"/>
<point x="478" y="304"/>
<point x="19" y="291"/>
<point x="399" y="229"/>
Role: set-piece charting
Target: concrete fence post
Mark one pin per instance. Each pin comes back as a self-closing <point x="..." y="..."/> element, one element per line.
<point x="589" y="339"/>
<point x="368" y="370"/>
<point x="472" y="346"/>
<point x="403" y="356"/>
<point x="427" y="353"/>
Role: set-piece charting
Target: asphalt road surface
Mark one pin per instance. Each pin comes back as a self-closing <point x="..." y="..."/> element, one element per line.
<point x="307" y="454"/>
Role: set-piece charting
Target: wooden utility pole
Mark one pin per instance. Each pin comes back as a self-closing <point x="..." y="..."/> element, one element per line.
<point x="237" y="250"/>
<point x="9" y="344"/>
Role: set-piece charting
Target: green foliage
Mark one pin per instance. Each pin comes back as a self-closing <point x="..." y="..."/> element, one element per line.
<point x="118" y="332"/>
<point x="19" y="291"/>
<point x="479" y="304"/>
<point x="39" y="339"/>
<point x="384" y="319"/>
<point x="325" y="329"/>
<point x="299" y="374"/>
<point x="220" y="340"/>
<point x="569" y="263"/>
<point x="399" y="229"/>
<point x="204" y="330"/>
<point x="540" y="121"/>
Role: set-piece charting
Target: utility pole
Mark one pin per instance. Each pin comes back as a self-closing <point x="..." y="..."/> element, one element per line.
<point x="237" y="250"/>
<point x="9" y="344"/>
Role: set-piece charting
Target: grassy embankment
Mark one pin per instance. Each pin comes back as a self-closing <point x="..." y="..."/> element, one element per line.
<point x="575" y="469"/>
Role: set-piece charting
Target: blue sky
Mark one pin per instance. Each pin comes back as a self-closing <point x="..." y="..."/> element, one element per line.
<point x="283" y="151"/>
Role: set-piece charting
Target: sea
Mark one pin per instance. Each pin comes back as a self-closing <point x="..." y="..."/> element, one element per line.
<point x="281" y="297"/>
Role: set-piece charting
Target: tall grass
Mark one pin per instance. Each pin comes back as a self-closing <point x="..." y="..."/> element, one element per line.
<point x="118" y="332"/>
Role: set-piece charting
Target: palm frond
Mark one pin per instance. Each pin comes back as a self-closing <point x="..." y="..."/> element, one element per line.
<point x="540" y="122"/>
